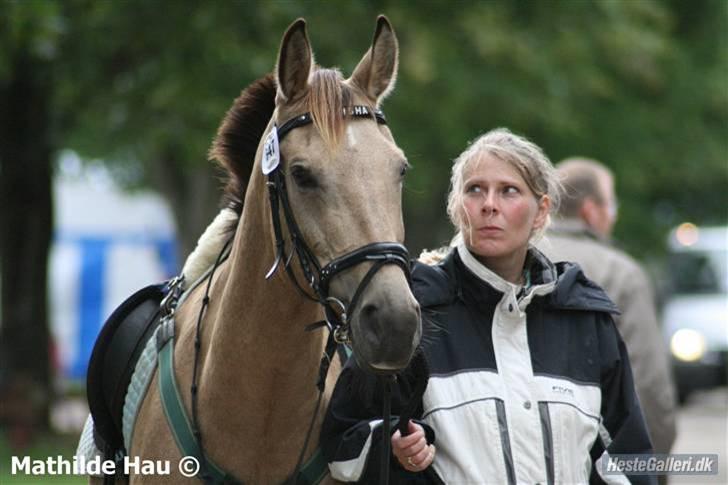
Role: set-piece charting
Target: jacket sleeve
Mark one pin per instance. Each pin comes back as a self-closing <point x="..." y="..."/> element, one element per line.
<point x="351" y="434"/>
<point x="622" y="428"/>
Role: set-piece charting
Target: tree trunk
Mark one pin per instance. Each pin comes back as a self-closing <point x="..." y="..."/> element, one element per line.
<point x="26" y="221"/>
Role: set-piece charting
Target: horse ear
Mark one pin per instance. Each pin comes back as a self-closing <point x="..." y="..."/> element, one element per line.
<point x="377" y="70"/>
<point x="294" y="61"/>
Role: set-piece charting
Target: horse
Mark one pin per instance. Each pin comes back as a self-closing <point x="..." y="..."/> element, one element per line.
<point x="325" y="186"/>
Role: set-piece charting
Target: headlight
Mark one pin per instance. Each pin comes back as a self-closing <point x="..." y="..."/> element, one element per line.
<point x="687" y="345"/>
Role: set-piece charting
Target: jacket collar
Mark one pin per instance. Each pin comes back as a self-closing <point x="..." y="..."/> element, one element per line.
<point x="574" y="291"/>
<point x="565" y="284"/>
<point x="542" y="275"/>
<point x="482" y="272"/>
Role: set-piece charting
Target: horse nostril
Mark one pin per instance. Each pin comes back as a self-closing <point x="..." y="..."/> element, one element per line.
<point x="388" y="330"/>
<point x="369" y="311"/>
<point x="371" y="319"/>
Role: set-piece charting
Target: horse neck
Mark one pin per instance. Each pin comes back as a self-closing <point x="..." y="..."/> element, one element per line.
<point x="261" y="365"/>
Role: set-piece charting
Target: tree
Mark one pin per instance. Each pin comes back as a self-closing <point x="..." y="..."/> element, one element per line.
<point x="26" y="150"/>
<point x="92" y="76"/>
<point x="639" y="85"/>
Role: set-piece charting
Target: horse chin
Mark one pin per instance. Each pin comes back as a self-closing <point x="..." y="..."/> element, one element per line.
<point x="385" y="369"/>
<point x="384" y="361"/>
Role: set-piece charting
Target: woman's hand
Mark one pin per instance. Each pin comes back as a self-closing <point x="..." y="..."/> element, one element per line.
<point x="412" y="451"/>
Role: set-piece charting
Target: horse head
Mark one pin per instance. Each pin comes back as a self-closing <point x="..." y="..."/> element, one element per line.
<point x="342" y="174"/>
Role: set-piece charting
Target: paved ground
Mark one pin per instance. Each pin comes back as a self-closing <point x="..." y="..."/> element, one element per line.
<point x="702" y="424"/>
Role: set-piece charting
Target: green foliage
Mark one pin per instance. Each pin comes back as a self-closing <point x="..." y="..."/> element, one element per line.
<point x="641" y="85"/>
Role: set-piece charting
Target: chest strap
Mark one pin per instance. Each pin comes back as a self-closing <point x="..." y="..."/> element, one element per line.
<point x="185" y="436"/>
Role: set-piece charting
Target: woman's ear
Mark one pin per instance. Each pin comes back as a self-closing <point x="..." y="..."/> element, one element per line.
<point x="544" y="208"/>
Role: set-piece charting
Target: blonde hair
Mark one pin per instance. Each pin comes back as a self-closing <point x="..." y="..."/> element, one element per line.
<point x="525" y="156"/>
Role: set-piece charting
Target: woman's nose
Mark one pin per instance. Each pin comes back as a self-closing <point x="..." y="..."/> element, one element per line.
<point x="489" y="203"/>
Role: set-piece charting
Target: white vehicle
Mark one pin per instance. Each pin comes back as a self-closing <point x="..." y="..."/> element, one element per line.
<point x="695" y="315"/>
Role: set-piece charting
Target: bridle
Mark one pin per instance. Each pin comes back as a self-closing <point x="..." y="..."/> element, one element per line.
<point x="317" y="277"/>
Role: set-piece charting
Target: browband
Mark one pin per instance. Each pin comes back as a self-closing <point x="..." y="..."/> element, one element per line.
<point x="355" y="111"/>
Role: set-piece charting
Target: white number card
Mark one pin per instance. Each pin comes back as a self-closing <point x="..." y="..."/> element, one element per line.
<point x="271" y="153"/>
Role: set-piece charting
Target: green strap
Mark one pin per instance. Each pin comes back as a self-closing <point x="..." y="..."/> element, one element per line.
<point x="312" y="473"/>
<point x="177" y="418"/>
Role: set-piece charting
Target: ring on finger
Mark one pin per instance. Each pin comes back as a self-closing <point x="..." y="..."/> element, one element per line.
<point x="410" y="462"/>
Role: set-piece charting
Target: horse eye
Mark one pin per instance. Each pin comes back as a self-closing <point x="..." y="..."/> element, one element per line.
<point x="303" y="177"/>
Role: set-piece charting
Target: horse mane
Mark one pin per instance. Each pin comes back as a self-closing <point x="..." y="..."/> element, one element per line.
<point x="244" y="124"/>
<point x="238" y="137"/>
<point x="233" y="149"/>
<point x="237" y="140"/>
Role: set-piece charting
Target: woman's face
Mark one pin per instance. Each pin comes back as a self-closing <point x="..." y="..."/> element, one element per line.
<point x="500" y="213"/>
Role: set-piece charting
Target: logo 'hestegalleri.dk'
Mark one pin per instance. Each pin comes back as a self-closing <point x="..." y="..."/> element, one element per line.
<point x="660" y="464"/>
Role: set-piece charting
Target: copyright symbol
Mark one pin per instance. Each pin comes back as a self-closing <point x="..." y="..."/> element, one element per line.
<point x="189" y="466"/>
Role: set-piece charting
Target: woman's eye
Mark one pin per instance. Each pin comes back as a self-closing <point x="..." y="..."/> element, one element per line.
<point x="511" y="190"/>
<point x="303" y="177"/>
<point x="473" y="189"/>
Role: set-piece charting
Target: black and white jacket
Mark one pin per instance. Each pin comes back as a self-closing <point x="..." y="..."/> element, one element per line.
<point x="526" y="385"/>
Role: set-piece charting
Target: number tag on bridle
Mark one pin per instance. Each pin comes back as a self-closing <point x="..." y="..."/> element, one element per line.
<point x="271" y="153"/>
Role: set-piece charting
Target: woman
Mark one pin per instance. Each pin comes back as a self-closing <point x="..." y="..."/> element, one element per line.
<point x="529" y="379"/>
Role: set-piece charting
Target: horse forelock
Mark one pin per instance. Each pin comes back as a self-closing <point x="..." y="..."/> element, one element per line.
<point x="326" y="98"/>
<point x="238" y="137"/>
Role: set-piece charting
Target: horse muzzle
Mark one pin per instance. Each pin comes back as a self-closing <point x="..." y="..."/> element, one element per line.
<point x="386" y="332"/>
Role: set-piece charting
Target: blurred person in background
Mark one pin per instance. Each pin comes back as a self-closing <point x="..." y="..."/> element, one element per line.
<point x="581" y="234"/>
<point x="529" y="380"/>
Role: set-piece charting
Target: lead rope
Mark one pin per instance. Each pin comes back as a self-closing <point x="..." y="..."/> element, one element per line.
<point x="421" y="372"/>
<point x="386" y="428"/>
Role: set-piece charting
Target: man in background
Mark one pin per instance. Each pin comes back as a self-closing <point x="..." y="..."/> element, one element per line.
<point x="581" y="234"/>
